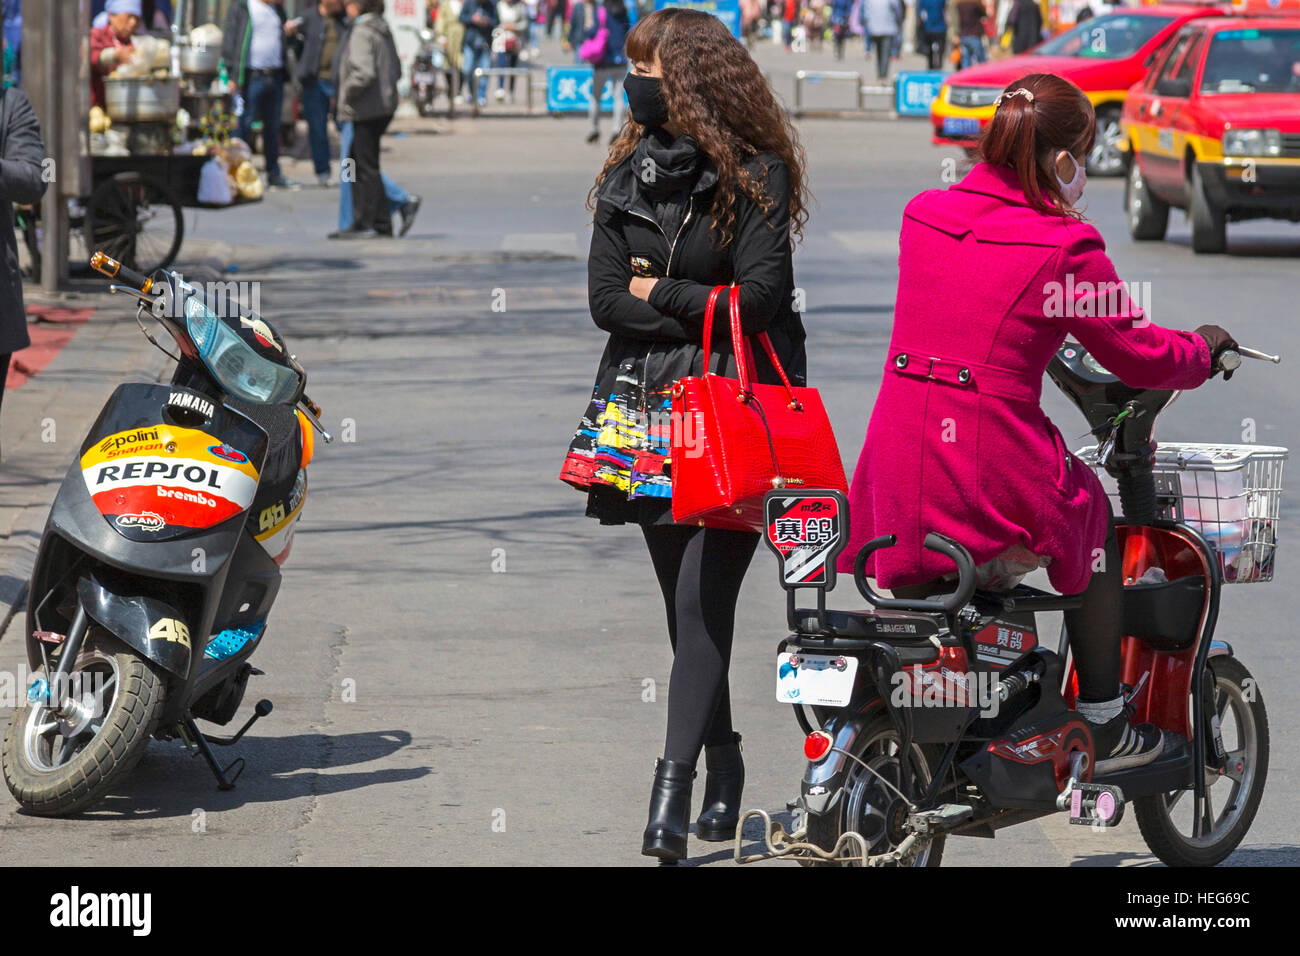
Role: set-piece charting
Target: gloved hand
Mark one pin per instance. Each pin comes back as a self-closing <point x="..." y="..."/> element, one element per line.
<point x="1219" y="340"/>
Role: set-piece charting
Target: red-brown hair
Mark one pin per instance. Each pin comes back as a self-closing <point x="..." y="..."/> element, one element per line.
<point x="1027" y="132"/>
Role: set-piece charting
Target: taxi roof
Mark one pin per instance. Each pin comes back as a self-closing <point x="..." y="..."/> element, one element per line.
<point x="1237" y="22"/>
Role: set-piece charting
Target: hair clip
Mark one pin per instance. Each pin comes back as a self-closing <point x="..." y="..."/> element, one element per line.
<point x="1027" y="94"/>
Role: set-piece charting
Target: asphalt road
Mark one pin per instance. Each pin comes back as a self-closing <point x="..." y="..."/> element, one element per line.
<point x="460" y="662"/>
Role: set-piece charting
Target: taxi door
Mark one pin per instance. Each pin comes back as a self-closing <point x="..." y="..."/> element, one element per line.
<point x="1163" y="120"/>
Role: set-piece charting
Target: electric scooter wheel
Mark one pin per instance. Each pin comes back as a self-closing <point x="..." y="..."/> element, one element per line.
<point x="56" y="765"/>
<point x="1166" y="820"/>
<point x="868" y="805"/>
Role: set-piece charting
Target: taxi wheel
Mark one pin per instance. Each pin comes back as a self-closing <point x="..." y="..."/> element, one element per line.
<point x="1209" y="224"/>
<point x="1148" y="217"/>
<point x="1106" y="158"/>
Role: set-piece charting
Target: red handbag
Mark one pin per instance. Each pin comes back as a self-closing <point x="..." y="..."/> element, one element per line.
<point x="734" y="440"/>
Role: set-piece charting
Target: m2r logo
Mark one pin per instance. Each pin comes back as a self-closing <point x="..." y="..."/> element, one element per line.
<point x="171" y="630"/>
<point x="144" y="521"/>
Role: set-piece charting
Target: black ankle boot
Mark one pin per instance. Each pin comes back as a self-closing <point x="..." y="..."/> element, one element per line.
<point x="722" y="788"/>
<point x="670" y="811"/>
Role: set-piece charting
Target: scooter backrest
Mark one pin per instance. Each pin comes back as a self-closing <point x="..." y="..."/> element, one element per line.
<point x="806" y="530"/>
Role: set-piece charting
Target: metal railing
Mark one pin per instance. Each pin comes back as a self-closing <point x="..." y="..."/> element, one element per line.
<point x="860" y="88"/>
<point x="521" y="72"/>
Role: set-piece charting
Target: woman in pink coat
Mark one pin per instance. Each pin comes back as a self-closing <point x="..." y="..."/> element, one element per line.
<point x="994" y="273"/>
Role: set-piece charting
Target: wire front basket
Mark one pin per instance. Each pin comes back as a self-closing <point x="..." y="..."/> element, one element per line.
<point x="1231" y="494"/>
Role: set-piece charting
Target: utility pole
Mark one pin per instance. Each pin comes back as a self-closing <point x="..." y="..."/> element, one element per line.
<point x="56" y="78"/>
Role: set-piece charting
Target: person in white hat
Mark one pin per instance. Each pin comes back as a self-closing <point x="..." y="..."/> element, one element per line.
<point x="112" y="45"/>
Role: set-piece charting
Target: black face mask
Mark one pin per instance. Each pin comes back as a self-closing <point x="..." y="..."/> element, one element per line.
<point x="645" y="100"/>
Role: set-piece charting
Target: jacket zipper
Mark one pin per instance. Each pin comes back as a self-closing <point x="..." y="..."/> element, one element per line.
<point x="645" y="365"/>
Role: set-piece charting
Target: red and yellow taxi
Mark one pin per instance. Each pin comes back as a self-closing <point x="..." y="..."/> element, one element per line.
<point x="1214" y="128"/>
<point x="1104" y="56"/>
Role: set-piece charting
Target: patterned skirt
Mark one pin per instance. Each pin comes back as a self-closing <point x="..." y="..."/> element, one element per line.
<point x="621" y="452"/>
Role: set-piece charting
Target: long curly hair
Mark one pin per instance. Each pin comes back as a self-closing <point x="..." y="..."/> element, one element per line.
<point x="715" y="94"/>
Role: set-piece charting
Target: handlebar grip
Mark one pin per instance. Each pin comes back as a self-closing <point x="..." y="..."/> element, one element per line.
<point x="933" y="542"/>
<point x="115" y="270"/>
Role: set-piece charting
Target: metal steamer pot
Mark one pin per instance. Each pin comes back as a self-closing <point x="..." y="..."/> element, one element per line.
<point x="141" y="99"/>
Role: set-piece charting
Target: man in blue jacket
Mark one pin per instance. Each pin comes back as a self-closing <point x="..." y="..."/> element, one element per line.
<point x="932" y="30"/>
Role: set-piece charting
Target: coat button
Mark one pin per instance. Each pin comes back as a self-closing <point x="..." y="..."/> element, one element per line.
<point x="900" y="361"/>
<point x="963" y="376"/>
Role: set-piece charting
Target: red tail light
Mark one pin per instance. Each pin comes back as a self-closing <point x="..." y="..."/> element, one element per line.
<point x="817" y="745"/>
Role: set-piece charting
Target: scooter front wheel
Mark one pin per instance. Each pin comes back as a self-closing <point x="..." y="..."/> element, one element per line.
<point x="871" y="805"/>
<point x="59" y="763"/>
<point x="1168" y="821"/>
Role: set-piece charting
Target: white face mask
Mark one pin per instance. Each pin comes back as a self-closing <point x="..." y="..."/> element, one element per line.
<point x="1072" y="191"/>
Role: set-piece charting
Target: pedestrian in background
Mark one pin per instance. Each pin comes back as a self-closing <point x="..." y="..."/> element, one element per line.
<point x="1025" y="23"/>
<point x="968" y="17"/>
<point x="932" y="30"/>
<point x="22" y="181"/>
<point x="729" y="185"/>
<point x="320" y="38"/>
<point x="557" y="12"/>
<point x="451" y="32"/>
<point x="882" y="22"/>
<point x="841" y="11"/>
<point x="602" y="47"/>
<point x="254" y="50"/>
<point x="368" y="76"/>
<point x="789" y="17"/>
<point x="399" y="202"/>
<point x="480" y="19"/>
<point x="508" y="40"/>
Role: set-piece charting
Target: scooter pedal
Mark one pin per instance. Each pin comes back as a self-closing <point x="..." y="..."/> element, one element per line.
<point x="945" y="817"/>
<point x="1096" y="805"/>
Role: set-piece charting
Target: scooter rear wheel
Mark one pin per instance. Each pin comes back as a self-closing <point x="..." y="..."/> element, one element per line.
<point x="1166" y="820"/>
<point x="56" y="765"/>
<point x="868" y="806"/>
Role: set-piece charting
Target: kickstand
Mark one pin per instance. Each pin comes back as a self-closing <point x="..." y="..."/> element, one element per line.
<point x="202" y="749"/>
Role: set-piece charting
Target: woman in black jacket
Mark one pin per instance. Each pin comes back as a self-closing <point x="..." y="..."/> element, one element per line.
<point x="704" y="187"/>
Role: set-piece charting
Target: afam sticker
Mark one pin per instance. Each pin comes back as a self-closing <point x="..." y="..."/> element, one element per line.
<point x="143" y="521"/>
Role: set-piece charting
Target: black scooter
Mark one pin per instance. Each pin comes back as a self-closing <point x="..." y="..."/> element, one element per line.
<point x="160" y="559"/>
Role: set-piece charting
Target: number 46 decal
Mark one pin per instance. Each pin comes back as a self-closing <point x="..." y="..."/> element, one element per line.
<point x="270" y="517"/>
<point x="170" y="629"/>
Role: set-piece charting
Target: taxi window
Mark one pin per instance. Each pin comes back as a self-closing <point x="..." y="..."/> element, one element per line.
<point x="1175" y="75"/>
<point x="1110" y="37"/>
<point x="1252" y="61"/>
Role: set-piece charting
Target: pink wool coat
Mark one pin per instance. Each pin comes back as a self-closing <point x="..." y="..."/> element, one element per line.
<point x="988" y="290"/>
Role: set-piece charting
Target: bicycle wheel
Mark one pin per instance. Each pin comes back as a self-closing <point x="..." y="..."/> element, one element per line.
<point x="136" y="220"/>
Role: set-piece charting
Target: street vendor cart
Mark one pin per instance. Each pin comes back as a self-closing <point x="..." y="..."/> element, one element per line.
<point x="166" y="116"/>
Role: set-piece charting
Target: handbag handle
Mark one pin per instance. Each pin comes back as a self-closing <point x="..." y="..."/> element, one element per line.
<point x="740" y="345"/>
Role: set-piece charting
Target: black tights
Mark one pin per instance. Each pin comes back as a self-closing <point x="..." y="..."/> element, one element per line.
<point x="700" y="571"/>
<point x="1094" y="629"/>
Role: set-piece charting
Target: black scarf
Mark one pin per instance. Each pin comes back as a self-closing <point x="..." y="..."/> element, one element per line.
<point x="665" y="166"/>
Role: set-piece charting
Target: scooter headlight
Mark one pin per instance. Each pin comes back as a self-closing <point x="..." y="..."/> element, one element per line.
<point x="236" y="367"/>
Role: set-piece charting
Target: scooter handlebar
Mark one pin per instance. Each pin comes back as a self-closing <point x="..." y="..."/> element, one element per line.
<point x="937" y="543"/>
<point x="115" y="270"/>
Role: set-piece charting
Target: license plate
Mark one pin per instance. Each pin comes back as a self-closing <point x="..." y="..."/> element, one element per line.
<point x="423" y="78"/>
<point x="960" y="126"/>
<point x="825" y="680"/>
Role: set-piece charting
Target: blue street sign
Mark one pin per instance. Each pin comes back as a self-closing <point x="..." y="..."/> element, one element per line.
<point x="568" y="90"/>
<point x="915" y="91"/>
<point x="728" y="11"/>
